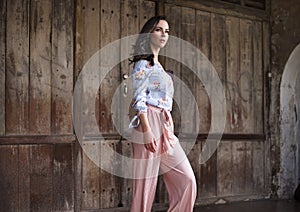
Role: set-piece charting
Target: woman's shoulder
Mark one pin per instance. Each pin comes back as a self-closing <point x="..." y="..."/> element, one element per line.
<point x="142" y="64"/>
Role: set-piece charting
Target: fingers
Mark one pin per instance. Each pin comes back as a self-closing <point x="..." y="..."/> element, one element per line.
<point x="151" y="146"/>
<point x="150" y="141"/>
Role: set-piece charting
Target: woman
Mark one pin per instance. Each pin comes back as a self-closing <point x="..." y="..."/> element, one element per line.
<point x="155" y="146"/>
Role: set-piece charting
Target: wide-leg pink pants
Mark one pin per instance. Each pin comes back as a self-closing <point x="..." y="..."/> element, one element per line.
<point x="169" y="160"/>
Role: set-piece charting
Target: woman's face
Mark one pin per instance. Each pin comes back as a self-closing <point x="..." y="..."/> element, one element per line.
<point x="160" y="35"/>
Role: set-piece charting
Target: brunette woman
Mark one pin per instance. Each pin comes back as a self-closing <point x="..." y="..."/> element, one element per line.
<point x="155" y="147"/>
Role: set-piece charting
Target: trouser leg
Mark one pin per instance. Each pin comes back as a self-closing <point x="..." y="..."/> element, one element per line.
<point x="179" y="180"/>
<point x="145" y="179"/>
<point x="146" y="166"/>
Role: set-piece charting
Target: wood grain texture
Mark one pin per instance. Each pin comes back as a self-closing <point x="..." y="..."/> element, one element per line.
<point x="109" y="186"/>
<point x="266" y="69"/>
<point x="2" y="65"/>
<point x="24" y="162"/>
<point x="128" y="22"/>
<point x="63" y="178"/>
<point x="221" y="7"/>
<point x="193" y="156"/>
<point x="188" y="110"/>
<point x="174" y="17"/>
<point x="90" y="40"/>
<point x="203" y="43"/>
<point x="40" y="67"/>
<point x="90" y="175"/>
<point x="109" y="32"/>
<point x="40" y="61"/>
<point x="233" y="103"/>
<point x="41" y="178"/>
<point x="225" y="167"/>
<point x="258" y="74"/>
<point x="246" y="76"/>
<point x="62" y="72"/>
<point x="17" y="68"/>
<point x="218" y="56"/>
<point x="9" y="194"/>
<point x="126" y="184"/>
<point x="208" y="175"/>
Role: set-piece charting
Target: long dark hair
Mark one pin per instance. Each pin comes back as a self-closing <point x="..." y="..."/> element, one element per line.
<point x="142" y="49"/>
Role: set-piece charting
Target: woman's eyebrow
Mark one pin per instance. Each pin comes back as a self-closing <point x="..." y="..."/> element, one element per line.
<point x="161" y="28"/>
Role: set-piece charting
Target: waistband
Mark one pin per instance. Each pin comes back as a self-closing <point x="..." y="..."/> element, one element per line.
<point x="159" y="109"/>
<point x="135" y="121"/>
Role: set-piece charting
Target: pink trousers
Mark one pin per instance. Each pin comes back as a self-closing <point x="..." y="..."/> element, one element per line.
<point x="169" y="160"/>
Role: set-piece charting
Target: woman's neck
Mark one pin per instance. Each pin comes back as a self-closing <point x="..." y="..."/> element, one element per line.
<point x="155" y="53"/>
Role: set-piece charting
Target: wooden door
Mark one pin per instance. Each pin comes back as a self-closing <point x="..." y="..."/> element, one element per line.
<point x="98" y="24"/>
<point x="237" y="46"/>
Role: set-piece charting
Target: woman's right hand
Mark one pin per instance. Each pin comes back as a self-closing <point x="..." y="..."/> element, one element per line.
<point x="150" y="141"/>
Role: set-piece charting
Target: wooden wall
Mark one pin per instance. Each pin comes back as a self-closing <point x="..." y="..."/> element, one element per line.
<point x="44" y="45"/>
<point x="37" y="141"/>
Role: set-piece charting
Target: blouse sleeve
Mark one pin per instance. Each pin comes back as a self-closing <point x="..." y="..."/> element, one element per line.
<point x="140" y="81"/>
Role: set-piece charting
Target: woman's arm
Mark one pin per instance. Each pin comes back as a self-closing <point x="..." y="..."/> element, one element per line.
<point x="149" y="139"/>
<point x="140" y="86"/>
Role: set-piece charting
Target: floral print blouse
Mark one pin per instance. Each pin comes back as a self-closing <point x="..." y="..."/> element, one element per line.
<point x="151" y="85"/>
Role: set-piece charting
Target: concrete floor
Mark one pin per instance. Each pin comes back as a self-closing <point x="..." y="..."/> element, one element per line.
<point x="253" y="206"/>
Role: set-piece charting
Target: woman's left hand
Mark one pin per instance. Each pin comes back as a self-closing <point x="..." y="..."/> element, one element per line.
<point x="150" y="141"/>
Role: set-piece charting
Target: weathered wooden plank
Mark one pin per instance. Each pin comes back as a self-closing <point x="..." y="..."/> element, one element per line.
<point x="208" y="175"/>
<point x="239" y="171"/>
<point x="90" y="175"/>
<point x="203" y="43"/>
<point x="78" y="176"/>
<point x="129" y="17"/>
<point x="188" y="112"/>
<point x="62" y="66"/>
<point x="248" y="167"/>
<point x="109" y="187"/>
<point x="223" y="8"/>
<point x="63" y="178"/>
<point x="259" y="4"/>
<point x="126" y="184"/>
<point x="128" y="22"/>
<point x="234" y="109"/>
<point x="9" y="178"/>
<point x="258" y="81"/>
<point x="17" y="67"/>
<point x="225" y="179"/>
<point x="36" y="139"/>
<point x="79" y="46"/>
<point x="246" y="76"/>
<point x="173" y="14"/>
<point x="218" y="54"/>
<point x="41" y="178"/>
<point x="266" y="69"/>
<point x="90" y="45"/>
<point x="40" y="66"/>
<point x="2" y="65"/>
<point x="78" y="64"/>
<point x="24" y="178"/>
<point x="146" y="11"/>
<point x="259" y="167"/>
<point x="110" y="16"/>
<point x="193" y="156"/>
<point x="238" y="167"/>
